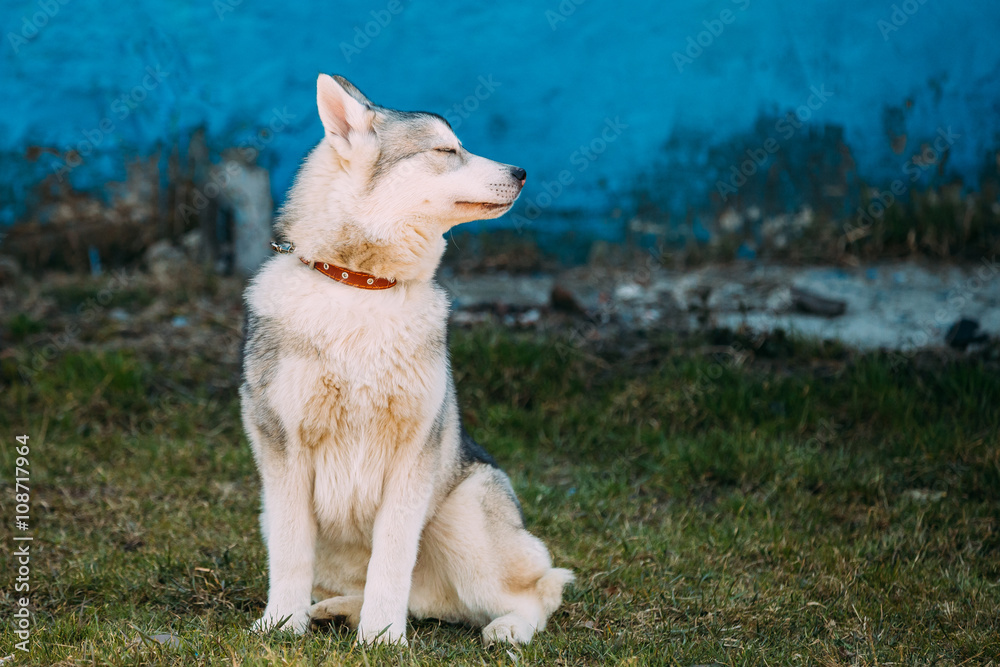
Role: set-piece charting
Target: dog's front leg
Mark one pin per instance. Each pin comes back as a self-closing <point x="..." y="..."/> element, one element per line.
<point x="395" y="538"/>
<point x="289" y="528"/>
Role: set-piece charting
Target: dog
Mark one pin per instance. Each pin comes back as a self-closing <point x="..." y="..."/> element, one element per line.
<point x="376" y="503"/>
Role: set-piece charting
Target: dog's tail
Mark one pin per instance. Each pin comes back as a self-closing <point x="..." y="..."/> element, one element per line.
<point x="550" y="588"/>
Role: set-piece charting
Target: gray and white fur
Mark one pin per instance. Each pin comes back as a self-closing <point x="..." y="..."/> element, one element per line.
<point x="376" y="503"/>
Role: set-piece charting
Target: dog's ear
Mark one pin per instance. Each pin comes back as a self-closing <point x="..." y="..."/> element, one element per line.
<point x="342" y="107"/>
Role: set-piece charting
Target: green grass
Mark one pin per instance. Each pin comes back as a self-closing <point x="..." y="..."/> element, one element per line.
<point x="21" y="326"/>
<point x="807" y="506"/>
<point x="80" y="295"/>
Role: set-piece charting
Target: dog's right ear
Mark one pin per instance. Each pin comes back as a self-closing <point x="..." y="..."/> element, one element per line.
<point x="342" y="108"/>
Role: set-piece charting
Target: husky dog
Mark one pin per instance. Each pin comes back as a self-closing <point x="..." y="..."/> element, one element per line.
<point x="376" y="503"/>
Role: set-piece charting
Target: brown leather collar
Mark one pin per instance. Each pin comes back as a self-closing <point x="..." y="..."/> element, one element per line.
<point x="339" y="273"/>
<point x="352" y="278"/>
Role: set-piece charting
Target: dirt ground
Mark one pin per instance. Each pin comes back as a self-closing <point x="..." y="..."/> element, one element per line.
<point x="173" y="306"/>
<point x="893" y="305"/>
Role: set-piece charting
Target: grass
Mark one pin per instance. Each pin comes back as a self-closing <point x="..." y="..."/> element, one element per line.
<point x="809" y="505"/>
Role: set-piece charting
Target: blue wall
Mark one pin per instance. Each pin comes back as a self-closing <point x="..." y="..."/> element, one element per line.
<point x="676" y="116"/>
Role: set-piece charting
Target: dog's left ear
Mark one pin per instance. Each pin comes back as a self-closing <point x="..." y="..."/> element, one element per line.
<point x="342" y="107"/>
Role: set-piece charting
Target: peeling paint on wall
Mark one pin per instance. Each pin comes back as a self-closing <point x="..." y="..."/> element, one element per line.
<point x="79" y="100"/>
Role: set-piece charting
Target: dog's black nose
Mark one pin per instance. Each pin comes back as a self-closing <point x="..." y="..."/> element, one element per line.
<point x="518" y="173"/>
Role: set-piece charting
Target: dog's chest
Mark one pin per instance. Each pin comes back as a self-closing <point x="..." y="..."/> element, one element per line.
<point x="370" y="391"/>
<point x="371" y="384"/>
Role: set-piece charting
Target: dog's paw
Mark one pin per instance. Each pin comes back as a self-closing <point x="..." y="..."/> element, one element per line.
<point x="509" y="629"/>
<point x="294" y="621"/>
<point x="346" y="608"/>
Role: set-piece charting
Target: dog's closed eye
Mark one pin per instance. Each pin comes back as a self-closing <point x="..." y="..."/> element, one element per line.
<point x="446" y="149"/>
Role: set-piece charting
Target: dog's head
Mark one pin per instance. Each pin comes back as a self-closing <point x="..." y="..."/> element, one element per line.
<point x="385" y="179"/>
